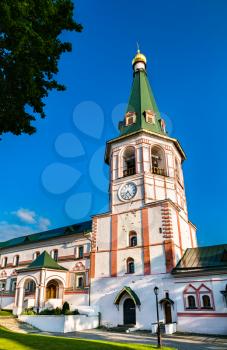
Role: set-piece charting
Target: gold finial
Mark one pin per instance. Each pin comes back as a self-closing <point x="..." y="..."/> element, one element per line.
<point x="139" y="57"/>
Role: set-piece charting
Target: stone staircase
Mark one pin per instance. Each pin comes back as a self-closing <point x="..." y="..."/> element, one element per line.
<point x="14" y="325"/>
<point x="120" y="328"/>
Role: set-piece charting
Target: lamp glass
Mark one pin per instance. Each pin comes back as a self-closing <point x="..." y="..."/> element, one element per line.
<point x="156" y="289"/>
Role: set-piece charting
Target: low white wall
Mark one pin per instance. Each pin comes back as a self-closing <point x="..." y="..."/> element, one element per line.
<point x="88" y="310"/>
<point x="53" y="303"/>
<point x="206" y="325"/>
<point x="45" y="322"/>
<point x="61" y="324"/>
<point x="7" y="303"/>
<point x="80" y="322"/>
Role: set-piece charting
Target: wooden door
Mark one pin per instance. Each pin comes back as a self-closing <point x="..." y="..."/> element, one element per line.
<point x="129" y="310"/>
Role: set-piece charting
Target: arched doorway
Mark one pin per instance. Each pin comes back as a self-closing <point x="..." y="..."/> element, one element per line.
<point x="129" y="312"/>
<point x="52" y="290"/>
<point x="168" y="313"/>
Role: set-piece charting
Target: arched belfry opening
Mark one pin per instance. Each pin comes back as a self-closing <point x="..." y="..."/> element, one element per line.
<point x="158" y="161"/>
<point x="129" y="161"/>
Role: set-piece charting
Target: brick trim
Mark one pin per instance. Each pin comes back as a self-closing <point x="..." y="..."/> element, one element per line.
<point x="169" y="254"/>
<point x="146" y="248"/>
<point x="179" y="233"/>
<point x="113" y="263"/>
<point x="167" y="226"/>
<point x="93" y="247"/>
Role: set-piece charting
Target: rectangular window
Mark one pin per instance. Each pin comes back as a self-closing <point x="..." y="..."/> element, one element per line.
<point x="80" y="252"/>
<point x="80" y="282"/>
<point x="130" y="118"/>
<point x="17" y="258"/>
<point x="36" y="254"/>
<point x="5" y="260"/>
<point x="13" y="284"/>
<point x="2" y="286"/>
<point x="150" y="117"/>
<point x="130" y="121"/>
<point x="55" y="255"/>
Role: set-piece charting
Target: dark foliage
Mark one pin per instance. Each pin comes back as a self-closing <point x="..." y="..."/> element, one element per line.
<point x="65" y="308"/>
<point x="30" y="49"/>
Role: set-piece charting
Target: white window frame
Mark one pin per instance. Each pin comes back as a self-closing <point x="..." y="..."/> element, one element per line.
<point x="128" y="117"/>
<point x="150" y="117"/>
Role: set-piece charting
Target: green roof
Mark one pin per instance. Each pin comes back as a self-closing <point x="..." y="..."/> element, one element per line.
<point x="211" y="258"/>
<point x="141" y="100"/>
<point x="82" y="227"/>
<point x="44" y="260"/>
<point x="130" y="292"/>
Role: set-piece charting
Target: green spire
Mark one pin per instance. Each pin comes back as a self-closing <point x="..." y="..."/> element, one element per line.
<point x="142" y="103"/>
<point x="44" y="260"/>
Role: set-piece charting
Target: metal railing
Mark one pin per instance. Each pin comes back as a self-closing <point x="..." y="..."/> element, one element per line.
<point x="159" y="171"/>
<point x="129" y="171"/>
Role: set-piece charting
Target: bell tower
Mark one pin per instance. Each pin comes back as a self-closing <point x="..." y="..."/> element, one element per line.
<point x="136" y="245"/>
<point x="145" y="163"/>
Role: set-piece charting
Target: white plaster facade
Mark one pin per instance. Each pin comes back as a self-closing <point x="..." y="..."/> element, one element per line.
<point x="15" y="296"/>
<point x="129" y="250"/>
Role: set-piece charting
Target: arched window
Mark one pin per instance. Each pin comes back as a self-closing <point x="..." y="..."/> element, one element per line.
<point x="130" y="265"/>
<point x="129" y="161"/>
<point x="158" y="161"/>
<point x="206" y="301"/>
<point x="29" y="286"/>
<point x="16" y="260"/>
<point x="132" y="239"/>
<point x="191" y="302"/>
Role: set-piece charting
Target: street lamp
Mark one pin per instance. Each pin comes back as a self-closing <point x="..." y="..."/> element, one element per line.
<point x="156" y="290"/>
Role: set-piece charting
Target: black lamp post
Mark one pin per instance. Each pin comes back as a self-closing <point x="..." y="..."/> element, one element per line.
<point x="156" y="290"/>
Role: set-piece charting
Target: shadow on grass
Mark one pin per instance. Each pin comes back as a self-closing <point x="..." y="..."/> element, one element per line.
<point x="17" y="341"/>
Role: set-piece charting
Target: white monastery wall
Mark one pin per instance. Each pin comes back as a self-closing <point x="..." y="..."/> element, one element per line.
<point x="102" y="263"/>
<point x="104" y="229"/>
<point x="202" y="325"/>
<point x="143" y="286"/>
<point x="158" y="261"/>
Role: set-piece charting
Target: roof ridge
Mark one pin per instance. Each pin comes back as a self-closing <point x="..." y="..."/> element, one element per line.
<point x="85" y="226"/>
<point x="44" y="260"/>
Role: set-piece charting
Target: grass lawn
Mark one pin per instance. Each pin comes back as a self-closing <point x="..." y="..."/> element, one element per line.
<point x="5" y="313"/>
<point x="17" y="341"/>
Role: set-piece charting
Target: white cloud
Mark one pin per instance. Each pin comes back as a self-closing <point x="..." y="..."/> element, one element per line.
<point x="31" y="223"/>
<point x="44" y="223"/>
<point x="8" y="231"/>
<point x="26" y="215"/>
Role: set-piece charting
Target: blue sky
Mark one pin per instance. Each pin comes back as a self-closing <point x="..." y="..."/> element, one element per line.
<point x="57" y="176"/>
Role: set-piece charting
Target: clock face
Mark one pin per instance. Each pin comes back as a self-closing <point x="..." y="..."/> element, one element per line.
<point x="127" y="191"/>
